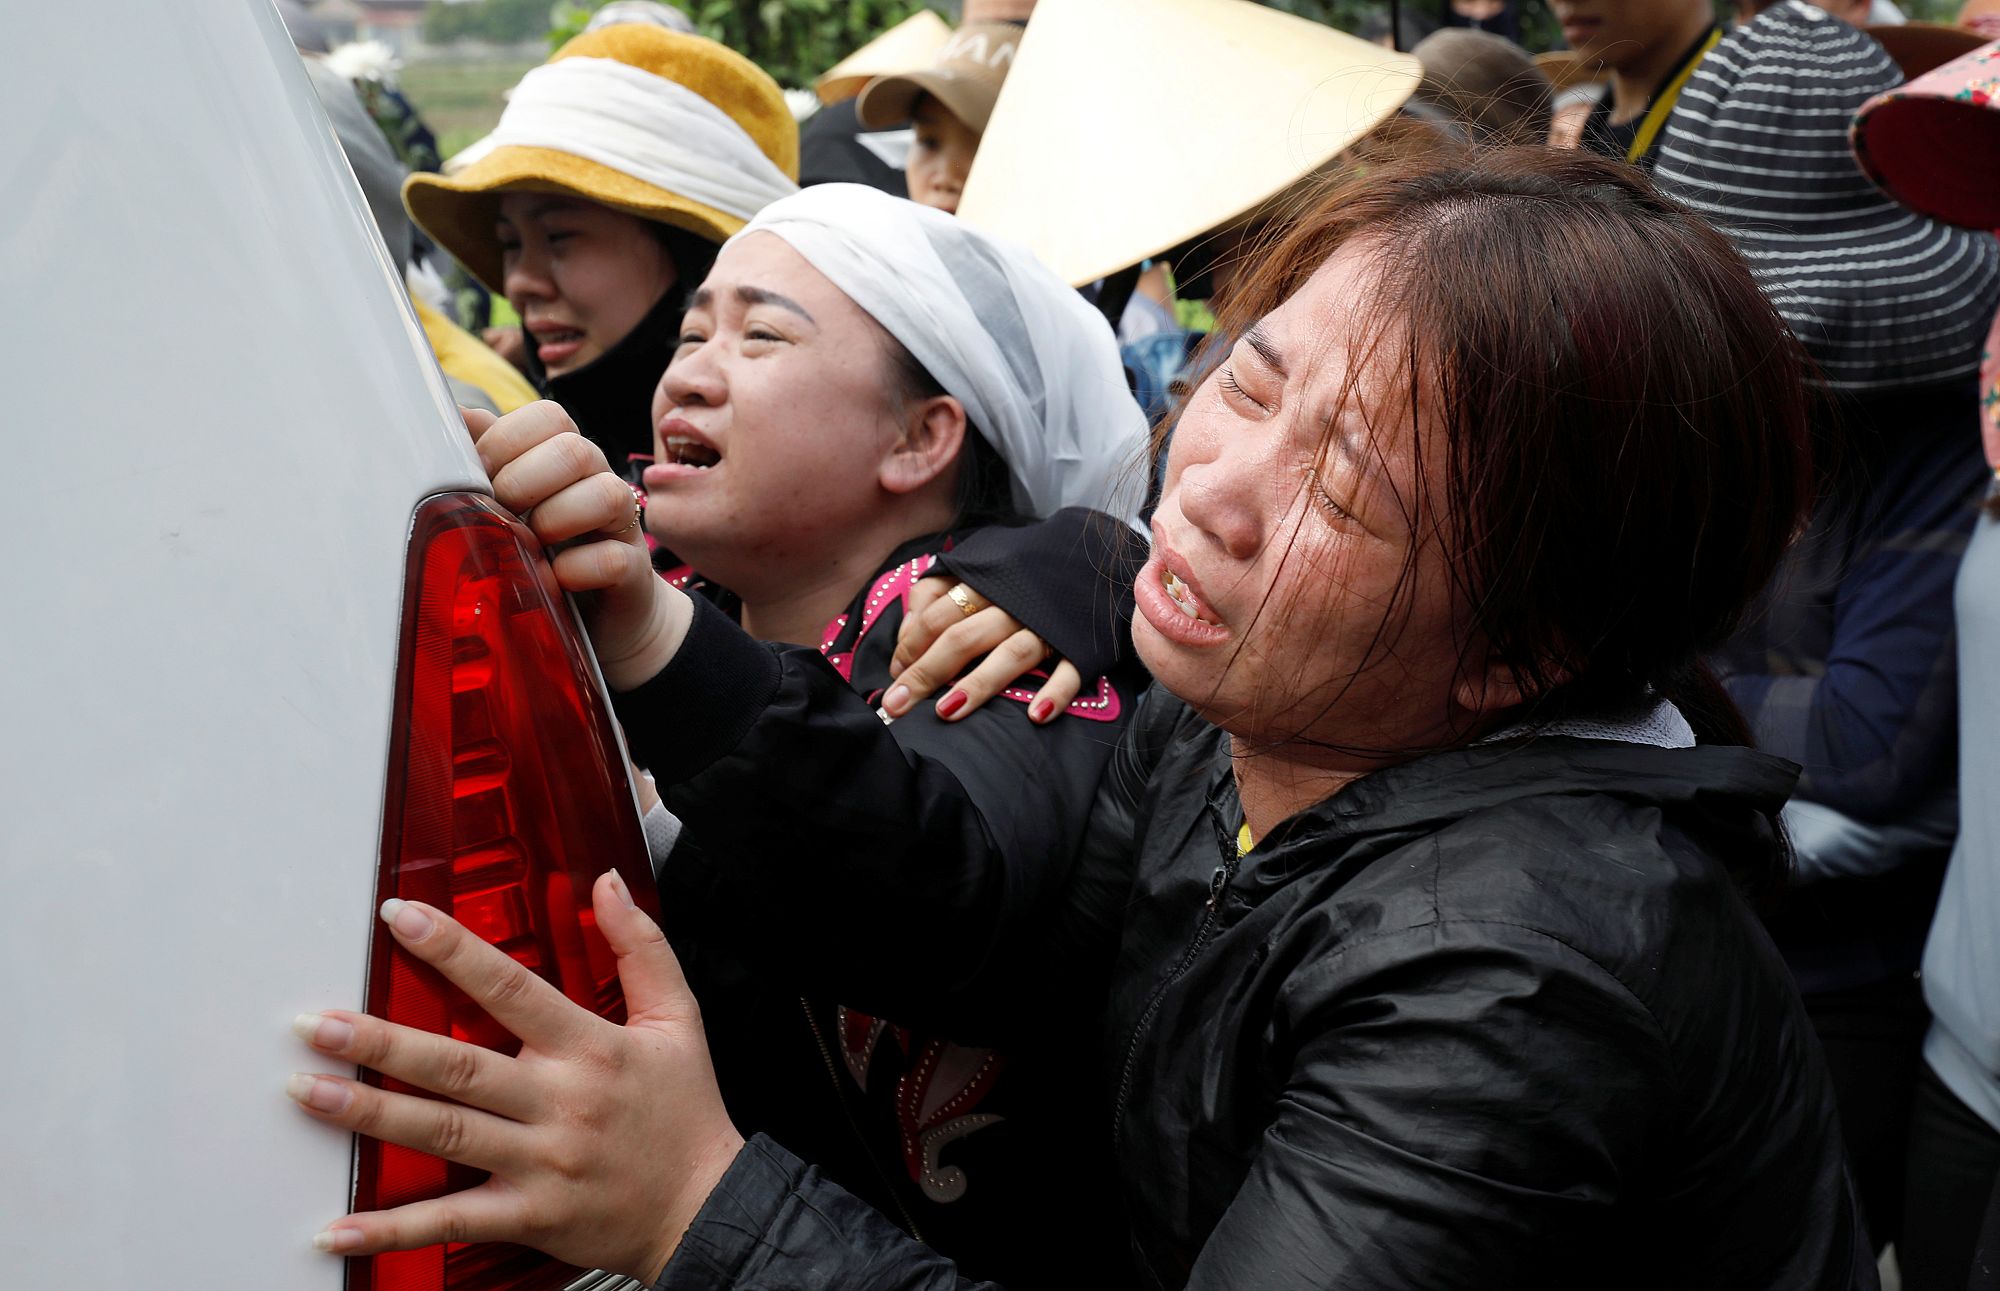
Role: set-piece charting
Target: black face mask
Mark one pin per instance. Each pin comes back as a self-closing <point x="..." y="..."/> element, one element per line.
<point x="610" y="398"/>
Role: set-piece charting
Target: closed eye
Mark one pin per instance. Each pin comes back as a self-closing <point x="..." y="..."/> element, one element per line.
<point x="1234" y="387"/>
<point x="1324" y="500"/>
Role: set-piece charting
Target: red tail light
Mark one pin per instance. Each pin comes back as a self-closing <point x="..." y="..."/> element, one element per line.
<point x="507" y="797"/>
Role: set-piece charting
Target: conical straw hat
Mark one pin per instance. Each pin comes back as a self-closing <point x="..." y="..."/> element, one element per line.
<point x="1127" y="127"/>
<point x="909" y="45"/>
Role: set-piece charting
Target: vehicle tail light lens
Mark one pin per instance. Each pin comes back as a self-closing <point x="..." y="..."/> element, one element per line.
<point x="507" y="797"/>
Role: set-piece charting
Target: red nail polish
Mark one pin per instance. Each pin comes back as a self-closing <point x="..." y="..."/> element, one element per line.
<point x="951" y="703"/>
<point x="1042" y="710"/>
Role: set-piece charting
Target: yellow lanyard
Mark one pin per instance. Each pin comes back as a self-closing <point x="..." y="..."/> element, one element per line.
<point x="1663" y="103"/>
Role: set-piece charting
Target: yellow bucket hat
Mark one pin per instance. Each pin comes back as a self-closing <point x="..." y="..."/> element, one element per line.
<point x="668" y="127"/>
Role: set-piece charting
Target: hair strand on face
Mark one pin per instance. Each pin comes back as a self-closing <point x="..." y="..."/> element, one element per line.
<point x="1616" y="420"/>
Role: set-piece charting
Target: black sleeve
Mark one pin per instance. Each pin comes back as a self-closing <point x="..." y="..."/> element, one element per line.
<point x="1068" y="579"/>
<point x="912" y="872"/>
<point x="774" y="1221"/>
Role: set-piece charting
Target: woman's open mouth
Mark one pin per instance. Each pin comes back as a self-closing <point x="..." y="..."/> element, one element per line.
<point x="684" y="454"/>
<point x="1174" y="608"/>
<point x="557" y="345"/>
<point x="684" y="451"/>
<point x="1182" y="595"/>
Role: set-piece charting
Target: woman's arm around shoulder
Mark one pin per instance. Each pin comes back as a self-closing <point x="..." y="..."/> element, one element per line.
<point x="822" y="845"/>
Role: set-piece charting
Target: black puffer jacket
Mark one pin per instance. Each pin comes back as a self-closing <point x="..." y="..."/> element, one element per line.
<point x="963" y="1145"/>
<point x="1495" y="1018"/>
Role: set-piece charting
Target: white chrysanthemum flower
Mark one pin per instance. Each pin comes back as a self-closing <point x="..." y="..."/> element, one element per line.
<point x="366" y="60"/>
<point x="803" y="103"/>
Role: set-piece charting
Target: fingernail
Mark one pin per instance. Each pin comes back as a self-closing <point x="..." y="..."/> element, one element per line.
<point x="1043" y="709"/>
<point x="951" y="703"/>
<point x="624" y="893"/>
<point x="335" y="1240"/>
<point x="319" y="1094"/>
<point x="896" y="700"/>
<point x="323" y="1032"/>
<point x="406" y="919"/>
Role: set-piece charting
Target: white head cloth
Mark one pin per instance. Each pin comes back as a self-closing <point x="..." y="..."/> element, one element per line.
<point x="640" y="125"/>
<point x="1035" y="366"/>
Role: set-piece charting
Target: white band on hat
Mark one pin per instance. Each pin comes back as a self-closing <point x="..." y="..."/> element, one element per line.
<point x="638" y="124"/>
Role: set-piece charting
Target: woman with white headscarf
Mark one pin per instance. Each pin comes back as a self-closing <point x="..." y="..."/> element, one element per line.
<point x="996" y="329"/>
<point x="864" y="387"/>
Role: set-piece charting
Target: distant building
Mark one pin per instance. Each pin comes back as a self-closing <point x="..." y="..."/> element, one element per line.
<point x="321" y="25"/>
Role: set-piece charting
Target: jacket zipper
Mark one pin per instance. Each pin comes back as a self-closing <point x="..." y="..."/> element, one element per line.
<point x="840" y="1097"/>
<point x="1218" y="882"/>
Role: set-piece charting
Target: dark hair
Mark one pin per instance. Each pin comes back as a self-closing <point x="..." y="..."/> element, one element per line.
<point x="985" y="490"/>
<point x="1626" y="449"/>
<point x="1486" y="85"/>
<point x="692" y="254"/>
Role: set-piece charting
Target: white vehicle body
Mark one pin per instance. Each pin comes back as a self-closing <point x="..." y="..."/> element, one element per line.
<point x="220" y="414"/>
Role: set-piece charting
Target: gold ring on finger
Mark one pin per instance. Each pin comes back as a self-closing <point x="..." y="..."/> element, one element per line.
<point x="961" y="596"/>
<point x="638" y="514"/>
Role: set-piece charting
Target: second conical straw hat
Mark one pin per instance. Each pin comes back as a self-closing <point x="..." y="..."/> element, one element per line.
<point x="909" y="45"/>
<point x="1127" y="127"/>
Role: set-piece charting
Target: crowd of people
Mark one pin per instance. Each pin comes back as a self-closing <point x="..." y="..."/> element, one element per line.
<point x="1375" y="675"/>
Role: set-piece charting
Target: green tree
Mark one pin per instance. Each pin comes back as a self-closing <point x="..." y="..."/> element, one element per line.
<point x="1538" y="26"/>
<point x="501" y="21"/>
<point x="796" y="40"/>
<point x="793" y="40"/>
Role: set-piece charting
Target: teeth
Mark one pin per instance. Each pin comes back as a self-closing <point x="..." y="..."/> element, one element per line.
<point x="1181" y="596"/>
<point x="679" y="447"/>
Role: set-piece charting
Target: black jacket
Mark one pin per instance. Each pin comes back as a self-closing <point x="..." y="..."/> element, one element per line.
<point x="1494" y="1018"/>
<point x="962" y="1144"/>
